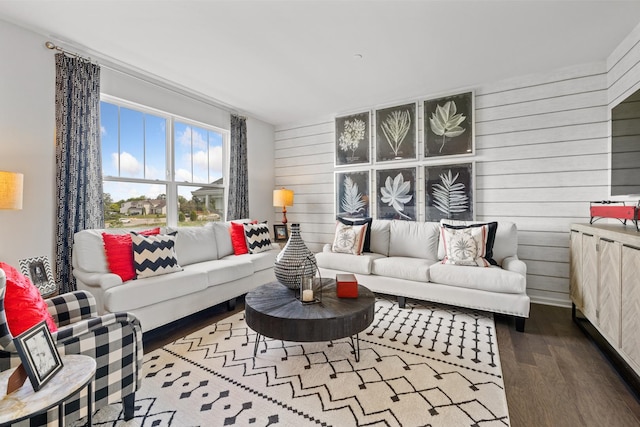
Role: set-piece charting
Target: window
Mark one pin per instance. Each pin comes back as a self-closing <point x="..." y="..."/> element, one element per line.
<point x="159" y="169"/>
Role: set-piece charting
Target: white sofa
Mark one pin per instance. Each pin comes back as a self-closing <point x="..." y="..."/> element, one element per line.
<point x="211" y="274"/>
<point x="405" y="261"/>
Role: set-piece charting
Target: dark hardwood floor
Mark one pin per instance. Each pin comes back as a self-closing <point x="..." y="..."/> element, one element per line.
<point x="554" y="374"/>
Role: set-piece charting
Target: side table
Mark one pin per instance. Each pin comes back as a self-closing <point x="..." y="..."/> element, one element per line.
<point x="78" y="372"/>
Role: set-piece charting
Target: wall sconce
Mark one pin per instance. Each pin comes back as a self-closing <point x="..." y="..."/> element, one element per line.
<point x="284" y="198"/>
<point x="11" y="190"/>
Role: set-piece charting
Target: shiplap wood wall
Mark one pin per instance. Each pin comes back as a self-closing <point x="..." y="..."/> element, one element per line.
<point x="541" y="155"/>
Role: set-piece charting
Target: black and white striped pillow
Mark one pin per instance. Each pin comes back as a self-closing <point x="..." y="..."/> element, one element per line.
<point x="257" y="237"/>
<point x="154" y="255"/>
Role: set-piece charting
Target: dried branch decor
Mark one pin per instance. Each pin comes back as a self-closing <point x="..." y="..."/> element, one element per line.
<point x="449" y="197"/>
<point x="395" y="129"/>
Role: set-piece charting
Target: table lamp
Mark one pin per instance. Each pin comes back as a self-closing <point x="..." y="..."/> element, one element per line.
<point x="284" y="198"/>
<point x="11" y="190"/>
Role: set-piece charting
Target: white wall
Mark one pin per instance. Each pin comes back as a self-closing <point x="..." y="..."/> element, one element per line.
<point x="27" y="115"/>
<point x="542" y="145"/>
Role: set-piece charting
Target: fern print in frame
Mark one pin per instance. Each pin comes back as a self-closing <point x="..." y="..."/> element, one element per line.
<point x="448" y="125"/>
<point x="353" y="139"/>
<point x="396" y="136"/>
<point x="449" y="192"/>
<point x="396" y="194"/>
<point x="352" y="194"/>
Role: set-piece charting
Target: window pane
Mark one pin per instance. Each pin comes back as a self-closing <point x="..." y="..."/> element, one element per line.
<point x="200" y="154"/>
<point x="182" y="141"/>
<point x="198" y="205"/>
<point x="109" y="138"/>
<point x="155" y="147"/>
<point x="129" y="204"/>
<point x="131" y="143"/>
<point x="216" y="155"/>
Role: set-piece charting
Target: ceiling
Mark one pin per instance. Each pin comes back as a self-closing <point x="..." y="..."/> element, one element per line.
<point x="290" y="61"/>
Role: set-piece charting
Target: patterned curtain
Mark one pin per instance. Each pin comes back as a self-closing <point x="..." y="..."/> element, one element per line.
<point x="78" y="158"/>
<point x="238" y="206"/>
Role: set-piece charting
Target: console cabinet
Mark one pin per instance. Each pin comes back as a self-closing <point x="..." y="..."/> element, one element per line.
<point x="605" y="286"/>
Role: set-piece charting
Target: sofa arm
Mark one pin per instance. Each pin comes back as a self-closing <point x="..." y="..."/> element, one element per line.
<point x="512" y="263"/>
<point x="72" y="307"/>
<point x="101" y="280"/>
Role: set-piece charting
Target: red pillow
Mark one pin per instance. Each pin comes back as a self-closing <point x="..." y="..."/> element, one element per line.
<point x="23" y="304"/>
<point x="238" y="240"/>
<point x="119" y="251"/>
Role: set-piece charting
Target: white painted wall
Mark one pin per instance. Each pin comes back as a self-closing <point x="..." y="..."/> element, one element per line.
<point x="27" y="123"/>
<point x="542" y="154"/>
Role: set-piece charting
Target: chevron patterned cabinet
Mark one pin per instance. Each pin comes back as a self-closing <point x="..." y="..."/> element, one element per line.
<point x="605" y="288"/>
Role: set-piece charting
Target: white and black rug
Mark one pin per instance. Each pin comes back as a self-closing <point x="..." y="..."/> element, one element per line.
<point x="425" y="365"/>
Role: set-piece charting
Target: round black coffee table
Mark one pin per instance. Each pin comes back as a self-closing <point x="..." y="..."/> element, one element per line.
<point x="272" y="310"/>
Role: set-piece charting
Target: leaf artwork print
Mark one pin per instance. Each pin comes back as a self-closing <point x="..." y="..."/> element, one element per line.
<point x="352" y="201"/>
<point x="446" y="123"/>
<point x="396" y="193"/>
<point x="354" y="132"/>
<point x="449" y="196"/>
<point x="395" y="129"/>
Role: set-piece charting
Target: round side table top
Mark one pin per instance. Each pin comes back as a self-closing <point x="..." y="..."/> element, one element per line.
<point x="273" y="311"/>
<point x="77" y="371"/>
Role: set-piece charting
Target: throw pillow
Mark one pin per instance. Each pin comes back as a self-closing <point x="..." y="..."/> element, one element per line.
<point x="119" y="252"/>
<point x="491" y="237"/>
<point x="465" y="246"/>
<point x="238" y="239"/>
<point x="154" y="255"/>
<point x="360" y="221"/>
<point x="349" y="239"/>
<point x="24" y="307"/>
<point x="257" y="237"/>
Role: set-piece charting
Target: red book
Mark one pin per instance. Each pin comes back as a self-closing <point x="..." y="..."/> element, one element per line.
<point x="346" y="286"/>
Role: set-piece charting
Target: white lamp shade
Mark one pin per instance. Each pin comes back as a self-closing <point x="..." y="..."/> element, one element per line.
<point x="11" y="190"/>
<point x="283" y="197"/>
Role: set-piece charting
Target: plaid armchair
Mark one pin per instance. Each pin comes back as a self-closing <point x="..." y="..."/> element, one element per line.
<point x="113" y="340"/>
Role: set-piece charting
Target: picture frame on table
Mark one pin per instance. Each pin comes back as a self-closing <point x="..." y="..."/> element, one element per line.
<point x="38" y="270"/>
<point x="38" y="354"/>
<point x="280" y="233"/>
<point x="449" y="192"/>
<point x="397" y="133"/>
<point x="449" y="127"/>
<point x="353" y="139"/>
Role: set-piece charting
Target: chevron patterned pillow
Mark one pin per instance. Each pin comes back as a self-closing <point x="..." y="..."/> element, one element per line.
<point x="258" y="239"/>
<point x="154" y="255"/>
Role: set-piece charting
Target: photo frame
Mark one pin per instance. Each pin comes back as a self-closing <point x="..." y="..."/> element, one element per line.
<point x="396" y="194"/>
<point x="352" y="194"/>
<point x="449" y="192"/>
<point x="38" y="270"/>
<point x="353" y="139"/>
<point x="280" y="232"/>
<point x="396" y="133"/>
<point x="39" y="355"/>
<point x="449" y="127"/>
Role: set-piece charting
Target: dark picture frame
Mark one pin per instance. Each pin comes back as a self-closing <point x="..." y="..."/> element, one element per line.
<point x="395" y="199"/>
<point x="449" y="192"/>
<point x="396" y="133"/>
<point x="38" y="270"/>
<point x="449" y="127"/>
<point x="38" y="354"/>
<point x="352" y="194"/>
<point x="353" y="139"/>
<point x="280" y="232"/>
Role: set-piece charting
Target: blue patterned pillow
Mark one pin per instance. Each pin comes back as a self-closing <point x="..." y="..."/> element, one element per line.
<point x="154" y="255"/>
<point x="257" y="237"/>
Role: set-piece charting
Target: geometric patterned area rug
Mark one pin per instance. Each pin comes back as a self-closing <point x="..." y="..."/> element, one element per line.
<point x="424" y="365"/>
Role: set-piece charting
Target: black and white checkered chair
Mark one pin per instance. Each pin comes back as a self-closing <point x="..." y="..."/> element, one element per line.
<point x="114" y="340"/>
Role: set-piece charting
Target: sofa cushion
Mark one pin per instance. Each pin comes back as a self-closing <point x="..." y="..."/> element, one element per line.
<point x="414" y="239"/>
<point x="349" y="239"/>
<point x="366" y="247"/>
<point x="260" y="261"/>
<point x="465" y="246"/>
<point x="223" y="270"/>
<point x="360" y="264"/>
<point x="154" y="255"/>
<point x="491" y="279"/>
<point x="194" y="244"/>
<point x="380" y="235"/>
<point x="257" y="237"/>
<point x="222" y="232"/>
<point x="505" y="245"/>
<point x="415" y="269"/>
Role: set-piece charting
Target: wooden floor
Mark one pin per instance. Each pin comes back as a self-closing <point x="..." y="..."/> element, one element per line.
<point x="554" y="374"/>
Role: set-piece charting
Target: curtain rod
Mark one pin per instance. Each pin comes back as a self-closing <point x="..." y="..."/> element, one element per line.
<point x="53" y="46"/>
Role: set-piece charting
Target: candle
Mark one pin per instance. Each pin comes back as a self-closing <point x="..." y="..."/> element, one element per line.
<point x="307" y="295"/>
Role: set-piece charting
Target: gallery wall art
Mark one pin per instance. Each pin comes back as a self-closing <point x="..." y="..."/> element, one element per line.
<point x="396" y="135"/>
<point x="449" y="192"/>
<point x="448" y="125"/>
<point x="396" y="194"/>
<point x="353" y="139"/>
<point x="352" y="194"/>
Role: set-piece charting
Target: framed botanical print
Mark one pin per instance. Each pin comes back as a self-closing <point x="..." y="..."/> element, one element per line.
<point x="396" y="134"/>
<point x="353" y="140"/>
<point x="352" y="194"/>
<point x="448" y="125"/>
<point x="449" y="192"/>
<point x="396" y="194"/>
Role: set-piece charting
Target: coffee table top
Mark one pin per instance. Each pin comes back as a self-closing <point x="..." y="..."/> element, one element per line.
<point x="273" y="311"/>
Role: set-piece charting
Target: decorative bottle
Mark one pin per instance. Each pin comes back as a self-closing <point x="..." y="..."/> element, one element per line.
<point x="290" y="263"/>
